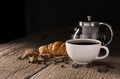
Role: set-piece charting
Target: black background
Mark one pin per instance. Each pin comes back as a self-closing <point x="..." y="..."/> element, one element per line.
<point x="25" y="17"/>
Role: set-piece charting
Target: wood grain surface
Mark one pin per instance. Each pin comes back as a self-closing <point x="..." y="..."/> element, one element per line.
<point x="68" y="72"/>
<point x="10" y="66"/>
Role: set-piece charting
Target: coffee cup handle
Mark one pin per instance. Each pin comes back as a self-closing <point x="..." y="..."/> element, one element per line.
<point x="107" y="53"/>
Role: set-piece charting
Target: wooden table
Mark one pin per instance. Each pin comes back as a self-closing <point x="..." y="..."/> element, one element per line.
<point x="12" y="68"/>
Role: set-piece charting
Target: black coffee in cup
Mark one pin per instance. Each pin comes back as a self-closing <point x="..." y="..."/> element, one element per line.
<point x="83" y="42"/>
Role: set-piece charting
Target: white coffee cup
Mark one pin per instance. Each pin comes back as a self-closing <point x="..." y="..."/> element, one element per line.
<point x="84" y="51"/>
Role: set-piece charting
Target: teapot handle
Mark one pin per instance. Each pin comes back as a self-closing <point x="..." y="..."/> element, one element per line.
<point x="109" y="26"/>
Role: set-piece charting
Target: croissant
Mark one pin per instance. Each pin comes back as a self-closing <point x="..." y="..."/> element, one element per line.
<point x="29" y="53"/>
<point x="45" y="52"/>
<point x="55" y="49"/>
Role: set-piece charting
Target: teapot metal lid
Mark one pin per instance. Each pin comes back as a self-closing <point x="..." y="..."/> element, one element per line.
<point x="88" y="23"/>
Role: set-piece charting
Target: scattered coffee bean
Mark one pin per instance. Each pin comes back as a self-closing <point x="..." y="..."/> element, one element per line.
<point x="62" y="66"/>
<point x="29" y="62"/>
<point x="20" y="58"/>
<point x="44" y="56"/>
<point x="65" y="58"/>
<point x="60" y="60"/>
<point x="110" y="66"/>
<point x="54" y="63"/>
<point x="44" y="63"/>
<point x="75" y="65"/>
<point x="103" y="70"/>
<point x="104" y="66"/>
<point x="38" y="62"/>
<point x="67" y="62"/>
<point x="89" y="65"/>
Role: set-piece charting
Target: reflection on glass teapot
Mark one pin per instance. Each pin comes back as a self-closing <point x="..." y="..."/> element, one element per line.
<point x="94" y="30"/>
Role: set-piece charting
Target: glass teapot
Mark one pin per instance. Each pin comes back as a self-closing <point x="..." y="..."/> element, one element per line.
<point x="94" y="30"/>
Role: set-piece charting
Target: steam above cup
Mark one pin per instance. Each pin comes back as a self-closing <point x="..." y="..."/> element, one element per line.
<point x="84" y="51"/>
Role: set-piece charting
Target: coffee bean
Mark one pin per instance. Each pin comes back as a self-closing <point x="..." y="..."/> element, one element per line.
<point x="44" y="56"/>
<point x="89" y="65"/>
<point x="62" y="66"/>
<point x="55" y="62"/>
<point x="38" y="62"/>
<point x="44" y="62"/>
<point x="29" y="62"/>
<point x="103" y="70"/>
<point x="66" y="62"/>
<point x="104" y="66"/>
<point x="60" y="60"/>
<point x="65" y="58"/>
<point x="75" y="65"/>
<point x="20" y="58"/>
<point x="110" y="66"/>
